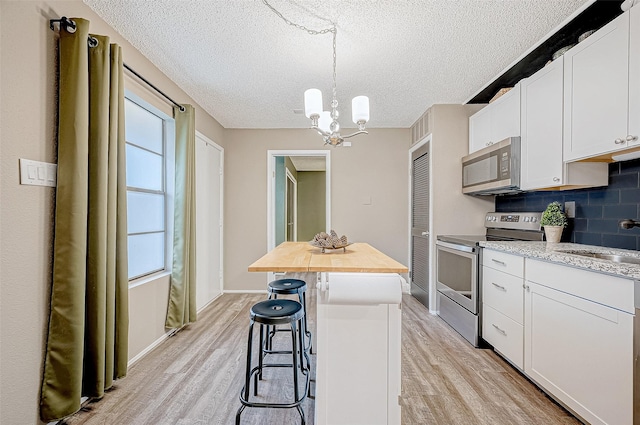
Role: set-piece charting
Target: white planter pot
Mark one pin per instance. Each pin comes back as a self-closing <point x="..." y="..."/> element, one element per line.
<point x="553" y="233"/>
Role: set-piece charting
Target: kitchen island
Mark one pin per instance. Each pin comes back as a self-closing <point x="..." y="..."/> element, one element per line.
<point x="358" y="329"/>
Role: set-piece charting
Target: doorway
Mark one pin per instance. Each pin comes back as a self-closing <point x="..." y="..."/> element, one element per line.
<point x="209" y="192"/>
<point x="420" y="221"/>
<point x="298" y="195"/>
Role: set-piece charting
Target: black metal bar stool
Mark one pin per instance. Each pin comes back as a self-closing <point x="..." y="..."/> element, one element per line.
<point x="273" y="313"/>
<point x="289" y="286"/>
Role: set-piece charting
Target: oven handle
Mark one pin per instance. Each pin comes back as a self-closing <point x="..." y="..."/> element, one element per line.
<point x="456" y="246"/>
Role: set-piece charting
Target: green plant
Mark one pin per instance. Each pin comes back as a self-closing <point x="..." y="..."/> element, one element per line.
<point x="553" y="215"/>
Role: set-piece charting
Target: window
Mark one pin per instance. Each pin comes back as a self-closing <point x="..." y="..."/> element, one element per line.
<point x="147" y="194"/>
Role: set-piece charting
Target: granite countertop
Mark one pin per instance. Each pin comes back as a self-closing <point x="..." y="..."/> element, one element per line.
<point x="551" y="252"/>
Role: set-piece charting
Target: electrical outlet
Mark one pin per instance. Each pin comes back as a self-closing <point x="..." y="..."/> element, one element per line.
<point x="570" y="209"/>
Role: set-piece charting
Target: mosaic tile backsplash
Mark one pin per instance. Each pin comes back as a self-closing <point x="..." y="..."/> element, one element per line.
<point x="598" y="210"/>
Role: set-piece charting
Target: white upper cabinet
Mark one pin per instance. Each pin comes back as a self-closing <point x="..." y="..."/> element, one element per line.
<point x="596" y="92"/>
<point x="496" y="121"/>
<point x="480" y="129"/>
<point x="541" y="142"/>
<point x="542" y="165"/>
<point x="634" y="77"/>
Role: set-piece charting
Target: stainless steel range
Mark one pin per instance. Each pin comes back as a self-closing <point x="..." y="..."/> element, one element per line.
<point x="458" y="268"/>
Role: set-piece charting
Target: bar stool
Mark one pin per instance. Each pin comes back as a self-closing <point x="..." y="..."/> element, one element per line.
<point x="273" y="313"/>
<point x="290" y="286"/>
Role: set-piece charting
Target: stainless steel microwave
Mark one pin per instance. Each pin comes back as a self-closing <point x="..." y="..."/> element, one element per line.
<point x="493" y="170"/>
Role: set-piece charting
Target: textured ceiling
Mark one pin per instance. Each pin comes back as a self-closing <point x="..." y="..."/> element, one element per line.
<point x="309" y="163"/>
<point x="249" y="69"/>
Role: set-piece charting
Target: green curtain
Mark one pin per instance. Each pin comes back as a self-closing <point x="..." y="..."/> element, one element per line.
<point x="88" y="325"/>
<point x="182" y="296"/>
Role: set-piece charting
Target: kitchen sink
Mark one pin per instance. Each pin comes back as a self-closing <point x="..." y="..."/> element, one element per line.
<point x="611" y="257"/>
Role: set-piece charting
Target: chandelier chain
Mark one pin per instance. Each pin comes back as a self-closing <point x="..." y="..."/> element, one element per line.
<point x="332" y="134"/>
<point x="333" y="29"/>
<point x="302" y="27"/>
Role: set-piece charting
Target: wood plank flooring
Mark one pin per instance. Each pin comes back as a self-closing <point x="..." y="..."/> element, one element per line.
<point x="195" y="377"/>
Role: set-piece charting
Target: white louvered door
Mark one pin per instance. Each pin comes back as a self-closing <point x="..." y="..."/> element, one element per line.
<point x="420" y="231"/>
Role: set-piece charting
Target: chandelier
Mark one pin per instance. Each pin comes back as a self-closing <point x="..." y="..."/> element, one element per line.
<point x="326" y="122"/>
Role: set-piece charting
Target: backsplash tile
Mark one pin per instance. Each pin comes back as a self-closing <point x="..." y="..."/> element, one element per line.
<point x="598" y="210"/>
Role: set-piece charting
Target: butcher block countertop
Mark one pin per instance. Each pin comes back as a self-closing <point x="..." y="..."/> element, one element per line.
<point x="302" y="257"/>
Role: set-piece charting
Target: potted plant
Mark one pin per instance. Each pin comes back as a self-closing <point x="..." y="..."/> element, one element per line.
<point x="554" y="221"/>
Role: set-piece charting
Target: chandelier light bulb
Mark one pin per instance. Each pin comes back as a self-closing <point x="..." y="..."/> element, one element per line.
<point x="324" y="122"/>
<point x="312" y="102"/>
<point x="360" y="109"/>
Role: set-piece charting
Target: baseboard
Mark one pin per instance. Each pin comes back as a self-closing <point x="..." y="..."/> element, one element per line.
<point x="244" y="291"/>
<point x="406" y="287"/>
<point x="209" y="303"/>
<point x="150" y="348"/>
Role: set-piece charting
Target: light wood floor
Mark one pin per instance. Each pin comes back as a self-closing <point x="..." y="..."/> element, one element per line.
<point x="195" y="378"/>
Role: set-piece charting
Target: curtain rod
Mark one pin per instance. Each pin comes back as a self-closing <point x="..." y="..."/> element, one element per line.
<point x="70" y="27"/>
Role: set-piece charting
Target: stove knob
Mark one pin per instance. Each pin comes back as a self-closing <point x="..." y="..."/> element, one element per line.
<point x="533" y="219"/>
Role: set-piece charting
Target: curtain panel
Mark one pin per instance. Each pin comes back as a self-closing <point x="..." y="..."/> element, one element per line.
<point x="87" y="341"/>
<point x="182" y="297"/>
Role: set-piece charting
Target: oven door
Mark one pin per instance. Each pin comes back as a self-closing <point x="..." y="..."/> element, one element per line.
<point x="457" y="273"/>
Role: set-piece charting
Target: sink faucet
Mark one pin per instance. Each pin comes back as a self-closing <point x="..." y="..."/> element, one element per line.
<point x="628" y="224"/>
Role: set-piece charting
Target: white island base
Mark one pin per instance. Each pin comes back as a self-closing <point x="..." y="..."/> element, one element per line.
<point x="358" y="330"/>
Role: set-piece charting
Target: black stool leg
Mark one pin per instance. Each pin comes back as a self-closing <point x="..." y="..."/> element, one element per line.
<point x="294" y="358"/>
<point x="240" y="410"/>
<point x="247" y="379"/>
<point x="302" y="299"/>
<point x="260" y="359"/>
<point x="295" y="345"/>
<point x="303" y="368"/>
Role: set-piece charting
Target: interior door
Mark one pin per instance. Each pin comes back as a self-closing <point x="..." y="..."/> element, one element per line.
<point x="291" y="204"/>
<point x="208" y="221"/>
<point x="420" y="224"/>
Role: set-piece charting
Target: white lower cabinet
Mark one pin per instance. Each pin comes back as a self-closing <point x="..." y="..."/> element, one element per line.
<point x="578" y="350"/>
<point x="502" y="304"/>
<point x="504" y="334"/>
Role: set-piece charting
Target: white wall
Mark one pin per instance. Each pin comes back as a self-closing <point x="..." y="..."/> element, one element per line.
<point x="28" y="130"/>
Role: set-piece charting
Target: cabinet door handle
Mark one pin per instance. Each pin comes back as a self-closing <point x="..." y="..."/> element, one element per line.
<point x="619" y="141"/>
<point x="498" y="329"/>
<point x="500" y="287"/>
<point x="556" y="179"/>
<point x="425" y="233"/>
<point x="502" y="263"/>
<point x="526" y="287"/>
<point x="631" y="138"/>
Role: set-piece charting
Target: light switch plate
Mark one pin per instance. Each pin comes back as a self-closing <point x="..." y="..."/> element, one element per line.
<point x="570" y="209"/>
<point x="36" y="173"/>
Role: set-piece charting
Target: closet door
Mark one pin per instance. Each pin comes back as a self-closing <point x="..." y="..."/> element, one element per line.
<point x="420" y="224"/>
<point x="208" y="221"/>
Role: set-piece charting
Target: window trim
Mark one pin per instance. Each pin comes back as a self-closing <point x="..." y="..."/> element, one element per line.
<point x="168" y="183"/>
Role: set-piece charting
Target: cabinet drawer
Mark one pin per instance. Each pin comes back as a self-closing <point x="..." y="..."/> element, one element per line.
<point x="506" y="336"/>
<point x="607" y="290"/>
<point x="503" y="292"/>
<point x="508" y="263"/>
